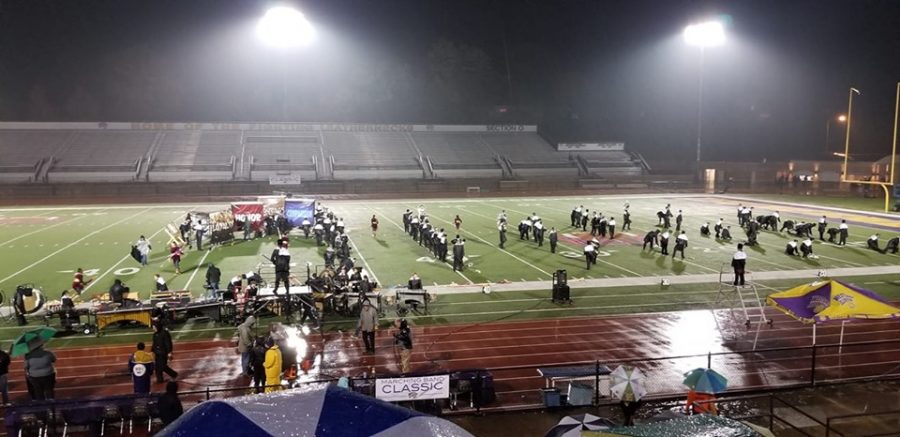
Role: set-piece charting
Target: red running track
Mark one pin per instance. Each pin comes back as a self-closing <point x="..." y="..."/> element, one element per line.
<point x="514" y="350"/>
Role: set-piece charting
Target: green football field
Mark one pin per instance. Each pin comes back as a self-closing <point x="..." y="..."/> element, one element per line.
<point x="43" y="246"/>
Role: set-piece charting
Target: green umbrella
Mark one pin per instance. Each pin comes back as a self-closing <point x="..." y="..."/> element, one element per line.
<point x="31" y="340"/>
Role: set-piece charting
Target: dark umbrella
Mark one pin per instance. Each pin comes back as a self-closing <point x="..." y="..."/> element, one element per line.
<point x="571" y="426"/>
<point x="31" y="340"/>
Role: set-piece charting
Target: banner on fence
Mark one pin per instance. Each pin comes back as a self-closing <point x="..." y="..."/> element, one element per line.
<point x="295" y="210"/>
<point x="590" y="147"/>
<point x="413" y="388"/>
<point x="252" y="211"/>
<point x="272" y="205"/>
<point x="284" y="180"/>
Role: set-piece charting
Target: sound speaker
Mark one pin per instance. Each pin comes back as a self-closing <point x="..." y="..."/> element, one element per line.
<point x="561" y="293"/>
<point x="559" y="278"/>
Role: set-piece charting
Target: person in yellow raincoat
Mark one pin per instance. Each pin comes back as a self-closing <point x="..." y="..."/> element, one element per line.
<point x="273" y="366"/>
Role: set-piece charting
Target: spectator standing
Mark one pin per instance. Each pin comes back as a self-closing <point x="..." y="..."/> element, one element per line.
<point x="245" y="343"/>
<point x="368" y="323"/>
<point x="4" y="376"/>
<point x="170" y="408"/>
<point x="143" y="246"/>
<point x="140" y="365"/>
<point x="162" y="351"/>
<point x="41" y="373"/>
<point x="403" y="340"/>
<point x="272" y="364"/>
<point x="258" y="364"/>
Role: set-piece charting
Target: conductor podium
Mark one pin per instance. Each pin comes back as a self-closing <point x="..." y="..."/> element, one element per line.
<point x="560" y="287"/>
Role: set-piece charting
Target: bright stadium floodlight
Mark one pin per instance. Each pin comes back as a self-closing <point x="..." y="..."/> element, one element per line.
<point x="703" y="35"/>
<point x="284" y="27"/>
<point x="706" y="34"/>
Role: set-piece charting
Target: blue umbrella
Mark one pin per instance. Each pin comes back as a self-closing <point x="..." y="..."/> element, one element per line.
<point x="332" y="412"/>
<point x="705" y="381"/>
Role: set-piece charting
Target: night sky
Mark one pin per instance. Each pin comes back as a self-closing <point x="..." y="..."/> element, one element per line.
<point x="581" y="70"/>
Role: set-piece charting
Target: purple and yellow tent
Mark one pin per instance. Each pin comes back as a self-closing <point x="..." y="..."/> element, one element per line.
<point x="830" y="300"/>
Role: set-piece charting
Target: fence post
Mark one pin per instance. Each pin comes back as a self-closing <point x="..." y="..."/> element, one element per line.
<point x="597" y="383"/>
<point x="812" y="368"/>
<point x="827" y="427"/>
<point x="207" y="393"/>
<point x="709" y="360"/>
<point x="771" y="412"/>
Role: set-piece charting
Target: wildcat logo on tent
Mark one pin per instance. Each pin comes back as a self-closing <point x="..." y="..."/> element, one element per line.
<point x="817" y="304"/>
<point x="845" y="299"/>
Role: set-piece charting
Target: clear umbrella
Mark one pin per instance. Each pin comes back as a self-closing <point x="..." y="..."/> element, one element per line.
<point x="627" y="383"/>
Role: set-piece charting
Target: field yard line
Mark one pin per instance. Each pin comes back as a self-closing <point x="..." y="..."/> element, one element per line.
<point x="820" y="256"/>
<point x="97" y="279"/>
<point x="73" y="243"/>
<point x="564" y="244"/>
<point x="401" y="229"/>
<point x="199" y="264"/>
<point x="368" y="267"/>
<point x="42" y="229"/>
<point x="492" y="245"/>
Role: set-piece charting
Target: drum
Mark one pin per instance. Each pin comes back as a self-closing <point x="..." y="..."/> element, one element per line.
<point x="33" y="303"/>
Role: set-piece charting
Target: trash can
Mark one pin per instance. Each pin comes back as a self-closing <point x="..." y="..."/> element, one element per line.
<point x="580" y="394"/>
<point x="551" y="397"/>
<point x="141" y="373"/>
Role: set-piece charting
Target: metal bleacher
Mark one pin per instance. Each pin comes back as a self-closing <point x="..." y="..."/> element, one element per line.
<point x="160" y="152"/>
<point x="529" y="154"/>
<point x="372" y="155"/>
<point x="280" y="153"/>
<point x="194" y="155"/>
<point x="23" y="152"/>
<point x="100" y="156"/>
<point x="458" y="155"/>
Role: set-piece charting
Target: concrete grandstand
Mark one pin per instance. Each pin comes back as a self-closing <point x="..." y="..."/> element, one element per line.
<point x="172" y="152"/>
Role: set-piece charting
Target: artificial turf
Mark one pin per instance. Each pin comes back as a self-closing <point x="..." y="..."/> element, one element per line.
<point x="44" y="245"/>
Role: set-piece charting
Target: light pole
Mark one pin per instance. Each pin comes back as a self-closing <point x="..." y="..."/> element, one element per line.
<point x="284" y="28"/>
<point x="847" y="135"/>
<point x="703" y="35"/>
<point x="840" y="119"/>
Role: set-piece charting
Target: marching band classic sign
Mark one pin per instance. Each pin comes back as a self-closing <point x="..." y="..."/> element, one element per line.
<point x="413" y="388"/>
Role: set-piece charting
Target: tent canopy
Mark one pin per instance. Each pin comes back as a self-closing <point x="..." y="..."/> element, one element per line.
<point x="827" y="300"/>
<point x="327" y="412"/>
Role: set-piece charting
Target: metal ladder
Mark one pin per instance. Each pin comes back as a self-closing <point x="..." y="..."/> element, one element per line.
<point x="731" y="296"/>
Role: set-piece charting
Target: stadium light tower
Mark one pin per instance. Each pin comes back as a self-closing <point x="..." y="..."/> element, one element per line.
<point x="845" y="168"/>
<point x="840" y="119"/>
<point x="284" y="28"/>
<point x="703" y="35"/>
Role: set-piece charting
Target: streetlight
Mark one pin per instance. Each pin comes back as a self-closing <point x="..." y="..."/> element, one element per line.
<point x="840" y="119"/>
<point x="703" y="35"/>
<point x="283" y="27"/>
<point x="847" y="135"/>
